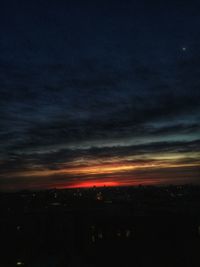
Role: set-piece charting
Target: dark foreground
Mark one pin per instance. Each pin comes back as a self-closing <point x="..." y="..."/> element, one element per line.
<point x="143" y="226"/>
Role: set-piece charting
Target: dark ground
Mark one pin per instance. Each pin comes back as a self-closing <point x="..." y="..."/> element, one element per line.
<point x="143" y="226"/>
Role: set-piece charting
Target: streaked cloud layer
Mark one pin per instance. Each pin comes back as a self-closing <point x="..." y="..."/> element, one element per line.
<point x="99" y="94"/>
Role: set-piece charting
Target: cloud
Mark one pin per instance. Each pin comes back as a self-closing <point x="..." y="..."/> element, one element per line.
<point x="105" y="85"/>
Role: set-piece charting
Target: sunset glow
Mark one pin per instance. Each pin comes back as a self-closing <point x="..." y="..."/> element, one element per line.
<point x="93" y="184"/>
<point x="95" y="98"/>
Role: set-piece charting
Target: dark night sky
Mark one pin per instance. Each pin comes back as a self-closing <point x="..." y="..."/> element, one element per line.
<point x="99" y="92"/>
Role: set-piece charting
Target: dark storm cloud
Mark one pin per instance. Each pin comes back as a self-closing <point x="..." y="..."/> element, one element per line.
<point x="42" y="115"/>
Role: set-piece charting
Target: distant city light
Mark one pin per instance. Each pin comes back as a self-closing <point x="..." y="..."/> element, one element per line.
<point x="128" y="233"/>
<point x="100" y="235"/>
<point x="19" y="263"/>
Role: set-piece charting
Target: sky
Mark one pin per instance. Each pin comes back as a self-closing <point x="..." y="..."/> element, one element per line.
<point x="99" y="93"/>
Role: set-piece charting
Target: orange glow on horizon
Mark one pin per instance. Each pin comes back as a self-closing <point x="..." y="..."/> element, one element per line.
<point x="92" y="184"/>
<point x="116" y="172"/>
<point x="121" y="183"/>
